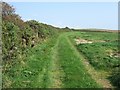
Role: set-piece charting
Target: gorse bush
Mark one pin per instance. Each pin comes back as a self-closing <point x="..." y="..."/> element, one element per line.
<point x="10" y="38"/>
<point x="42" y="30"/>
<point x="19" y="36"/>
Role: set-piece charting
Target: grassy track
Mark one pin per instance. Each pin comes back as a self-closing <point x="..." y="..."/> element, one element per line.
<point x="56" y="63"/>
<point x="54" y="70"/>
<point x="75" y="74"/>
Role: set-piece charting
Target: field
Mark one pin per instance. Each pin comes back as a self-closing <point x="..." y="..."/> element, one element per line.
<point x="73" y="59"/>
<point x="38" y="55"/>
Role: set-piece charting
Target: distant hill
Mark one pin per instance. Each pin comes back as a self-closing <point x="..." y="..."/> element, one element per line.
<point x="97" y="30"/>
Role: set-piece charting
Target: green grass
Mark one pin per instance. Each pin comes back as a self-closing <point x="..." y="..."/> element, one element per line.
<point x="33" y="71"/>
<point x="98" y="54"/>
<point x="75" y="74"/>
<point x="58" y="62"/>
<point x="101" y="55"/>
<point x="95" y="35"/>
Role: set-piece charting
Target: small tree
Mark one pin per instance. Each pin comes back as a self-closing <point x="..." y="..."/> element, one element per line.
<point x="7" y="9"/>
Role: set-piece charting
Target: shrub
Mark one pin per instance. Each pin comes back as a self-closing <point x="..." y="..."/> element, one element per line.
<point x="115" y="77"/>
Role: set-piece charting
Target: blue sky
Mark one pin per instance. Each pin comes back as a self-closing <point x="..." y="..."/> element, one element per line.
<point x="101" y="15"/>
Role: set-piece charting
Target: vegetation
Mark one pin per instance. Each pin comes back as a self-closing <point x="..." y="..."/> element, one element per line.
<point x="18" y="38"/>
<point x="75" y="74"/>
<point x="37" y="55"/>
<point x="102" y="54"/>
<point x="115" y="77"/>
<point x="31" y="71"/>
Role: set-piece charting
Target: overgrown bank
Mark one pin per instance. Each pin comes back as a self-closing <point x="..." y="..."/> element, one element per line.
<point x="18" y="38"/>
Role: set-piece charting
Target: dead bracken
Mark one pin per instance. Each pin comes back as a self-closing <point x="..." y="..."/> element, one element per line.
<point x="82" y="41"/>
